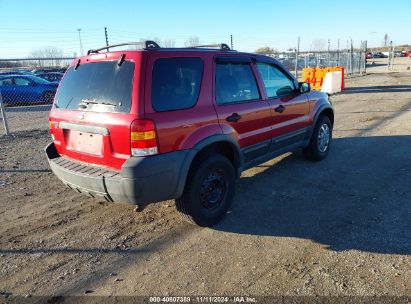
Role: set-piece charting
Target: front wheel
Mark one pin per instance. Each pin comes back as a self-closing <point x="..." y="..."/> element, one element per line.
<point x="320" y="142"/>
<point x="208" y="192"/>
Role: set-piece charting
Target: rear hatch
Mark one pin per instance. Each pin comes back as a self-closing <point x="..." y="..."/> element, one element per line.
<point x="95" y="104"/>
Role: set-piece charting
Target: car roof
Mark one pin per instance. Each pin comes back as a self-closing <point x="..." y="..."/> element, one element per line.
<point x="199" y="50"/>
<point x="152" y="46"/>
<point x="216" y="51"/>
<point x="9" y="75"/>
<point x="17" y="75"/>
<point x="32" y="77"/>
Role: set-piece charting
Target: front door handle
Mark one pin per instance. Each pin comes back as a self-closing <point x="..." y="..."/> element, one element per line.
<point x="233" y="117"/>
<point x="280" y="109"/>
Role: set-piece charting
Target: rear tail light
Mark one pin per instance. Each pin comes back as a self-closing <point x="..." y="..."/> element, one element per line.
<point x="53" y="125"/>
<point x="143" y="138"/>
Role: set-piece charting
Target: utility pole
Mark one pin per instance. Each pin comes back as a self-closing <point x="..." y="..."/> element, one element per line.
<point x="391" y="56"/>
<point x="105" y="33"/>
<point x="365" y="53"/>
<point x="231" y="44"/>
<point x="328" y="53"/>
<point x="297" y="52"/>
<point x="361" y="57"/>
<point x="351" y="57"/>
<point x="79" y="39"/>
<point x="3" y="115"/>
<point x="338" y="52"/>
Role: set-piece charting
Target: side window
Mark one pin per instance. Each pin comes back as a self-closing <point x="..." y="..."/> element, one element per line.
<point x="5" y="82"/>
<point x="176" y="83"/>
<point x="235" y="82"/>
<point x="276" y="83"/>
<point x="21" y="81"/>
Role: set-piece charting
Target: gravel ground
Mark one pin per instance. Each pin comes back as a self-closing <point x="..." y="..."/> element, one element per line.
<point x="337" y="227"/>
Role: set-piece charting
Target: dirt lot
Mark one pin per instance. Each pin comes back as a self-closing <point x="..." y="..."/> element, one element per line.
<point x="338" y="227"/>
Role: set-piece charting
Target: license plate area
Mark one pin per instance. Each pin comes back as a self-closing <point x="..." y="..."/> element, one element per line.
<point x="84" y="142"/>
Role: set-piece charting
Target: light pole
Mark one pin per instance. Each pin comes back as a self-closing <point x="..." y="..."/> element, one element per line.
<point x="106" y="35"/>
<point x="351" y="56"/>
<point x="297" y="53"/>
<point x="338" y="52"/>
<point x="79" y="39"/>
<point x="328" y="53"/>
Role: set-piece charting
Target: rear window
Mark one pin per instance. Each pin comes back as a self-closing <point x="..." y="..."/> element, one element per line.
<point x="176" y="83"/>
<point x="101" y="87"/>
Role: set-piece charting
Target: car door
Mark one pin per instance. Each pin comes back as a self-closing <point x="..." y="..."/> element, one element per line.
<point x="239" y="105"/>
<point x="27" y="90"/>
<point x="6" y="89"/>
<point x="289" y="107"/>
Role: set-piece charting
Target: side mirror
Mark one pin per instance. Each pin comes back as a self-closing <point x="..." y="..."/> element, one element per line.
<point x="304" y="87"/>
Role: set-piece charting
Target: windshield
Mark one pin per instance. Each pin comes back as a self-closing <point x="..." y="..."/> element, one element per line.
<point x="101" y="87"/>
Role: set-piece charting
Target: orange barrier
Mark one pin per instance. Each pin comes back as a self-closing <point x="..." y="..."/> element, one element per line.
<point x="315" y="76"/>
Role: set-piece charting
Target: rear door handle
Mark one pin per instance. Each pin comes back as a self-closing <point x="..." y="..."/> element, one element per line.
<point x="233" y="117"/>
<point x="280" y="109"/>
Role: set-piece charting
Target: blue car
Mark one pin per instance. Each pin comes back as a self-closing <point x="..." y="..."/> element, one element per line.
<point x="51" y="76"/>
<point x="26" y="89"/>
<point x="16" y="72"/>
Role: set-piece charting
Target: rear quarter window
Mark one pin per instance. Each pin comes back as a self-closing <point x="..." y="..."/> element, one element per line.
<point x="176" y="83"/>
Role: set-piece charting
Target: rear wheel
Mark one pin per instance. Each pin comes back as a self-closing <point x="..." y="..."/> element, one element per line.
<point x="320" y="142"/>
<point x="48" y="97"/>
<point x="208" y="192"/>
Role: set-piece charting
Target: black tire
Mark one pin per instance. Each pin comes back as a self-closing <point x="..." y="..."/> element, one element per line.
<point x="208" y="192"/>
<point x="48" y="97"/>
<point x="315" y="151"/>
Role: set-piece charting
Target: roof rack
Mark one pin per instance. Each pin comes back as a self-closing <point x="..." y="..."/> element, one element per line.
<point x="221" y="46"/>
<point x="148" y="44"/>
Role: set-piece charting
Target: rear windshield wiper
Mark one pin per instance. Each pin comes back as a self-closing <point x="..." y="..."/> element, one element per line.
<point x="84" y="102"/>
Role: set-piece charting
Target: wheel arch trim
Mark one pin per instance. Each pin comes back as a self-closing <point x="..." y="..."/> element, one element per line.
<point x="321" y="110"/>
<point x="200" y="146"/>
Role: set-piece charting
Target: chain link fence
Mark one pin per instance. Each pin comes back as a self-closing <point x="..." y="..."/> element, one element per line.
<point x="27" y="89"/>
<point x="354" y="62"/>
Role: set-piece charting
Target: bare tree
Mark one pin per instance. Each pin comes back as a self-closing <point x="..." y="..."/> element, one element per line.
<point x="318" y="45"/>
<point x="266" y="50"/>
<point x="192" y="41"/>
<point x="51" y="53"/>
<point x="168" y="43"/>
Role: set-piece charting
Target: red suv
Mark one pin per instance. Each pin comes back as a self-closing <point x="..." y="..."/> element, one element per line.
<point x="141" y="126"/>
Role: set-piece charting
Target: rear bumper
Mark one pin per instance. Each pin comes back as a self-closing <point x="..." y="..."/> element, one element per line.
<point x="141" y="180"/>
